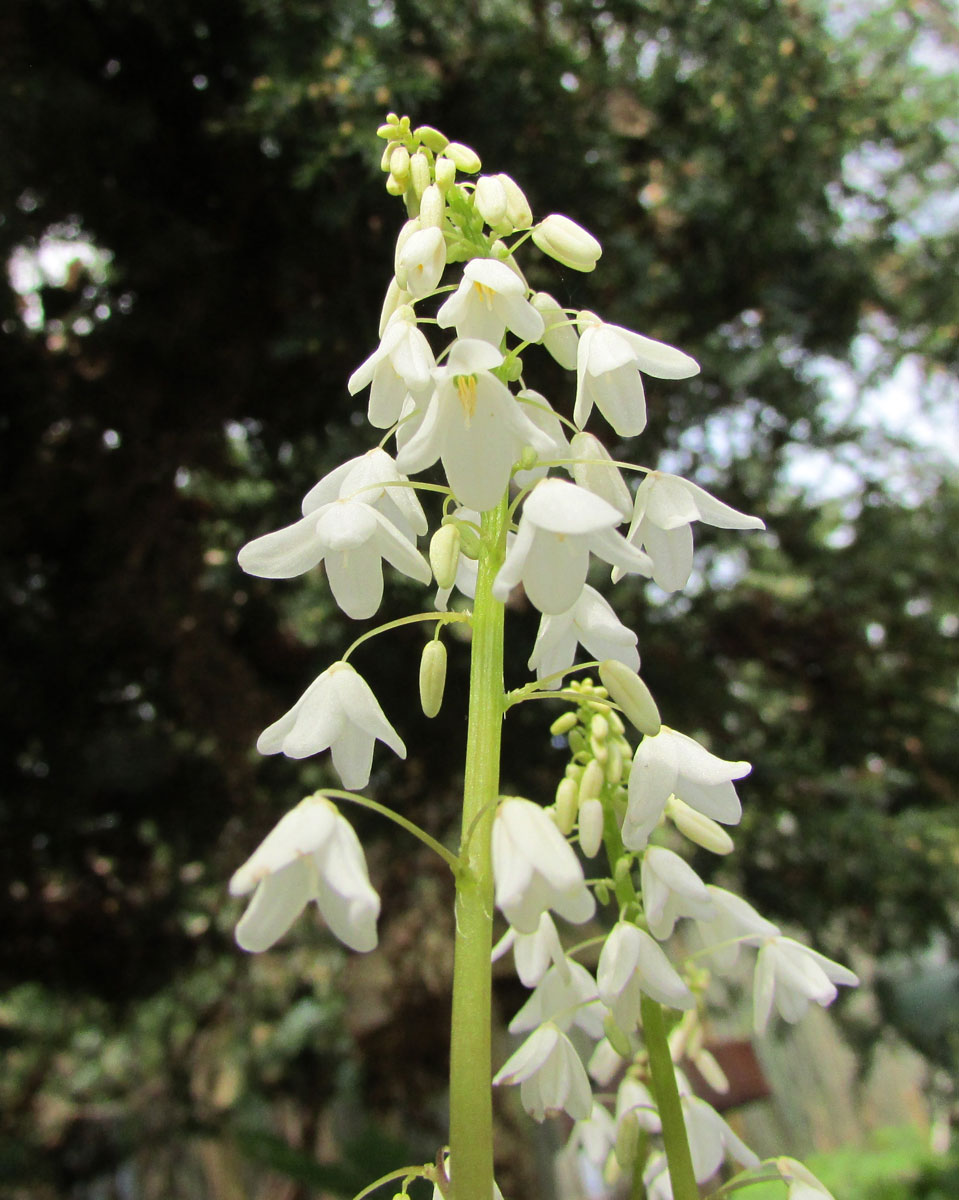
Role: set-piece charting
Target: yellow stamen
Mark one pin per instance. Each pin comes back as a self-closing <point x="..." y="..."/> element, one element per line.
<point x="466" y="387"/>
<point x="487" y="295"/>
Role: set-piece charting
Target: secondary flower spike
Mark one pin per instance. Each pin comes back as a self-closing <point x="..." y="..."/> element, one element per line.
<point x="338" y="711"/>
<point x="312" y="854"/>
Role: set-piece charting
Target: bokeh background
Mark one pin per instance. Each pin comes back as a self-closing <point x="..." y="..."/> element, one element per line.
<point x="197" y="241"/>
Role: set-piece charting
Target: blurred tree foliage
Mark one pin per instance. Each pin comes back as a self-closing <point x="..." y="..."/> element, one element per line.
<point x="198" y="242"/>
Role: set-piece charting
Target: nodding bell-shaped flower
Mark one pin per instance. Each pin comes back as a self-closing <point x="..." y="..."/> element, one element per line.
<point x="793" y="976"/>
<point x="533" y="953"/>
<point x="664" y="509"/>
<point x="401" y="364"/>
<point x="592" y="468"/>
<point x="339" y="712"/>
<point x="551" y="1075"/>
<point x="474" y="424"/>
<point x="420" y="259"/>
<point x="490" y="299"/>
<point x="631" y="962"/>
<point x="608" y="366"/>
<point x="373" y="479"/>
<point x="312" y="854"/>
<point x="734" y="923"/>
<point x="671" y="889"/>
<point x="561" y="525"/>
<point x="535" y="869"/>
<point x="710" y="1138"/>
<point x="567" y="242"/>
<point x="590" y="623"/>
<point x="566" y="996"/>
<point x="671" y="763"/>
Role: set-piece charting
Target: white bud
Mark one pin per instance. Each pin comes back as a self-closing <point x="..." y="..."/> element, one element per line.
<point x="466" y="160"/>
<point x="592" y="781"/>
<point x="431" y="138"/>
<point x="419" y="173"/>
<point x="702" y="830"/>
<point x="518" y="211"/>
<point x="632" y="696"/>
<point x="400" y="163"/>
<point x="490" y="200"/>
<point x="432" y="677"/>
<point x="591" y="826"/>
<point x="566" y="805"/>
<point x="445" y="554"/>
<point x="445" y="171"/>
<point x="432" y="208"/>
<point x="567" y="242"/>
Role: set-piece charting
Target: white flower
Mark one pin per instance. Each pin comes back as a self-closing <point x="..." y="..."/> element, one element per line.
<point x="734" y="923"/>
<point x="794" y="975"/>
<point x="533" y="953"/>
<point x="671" y="889"/>
<point x="672" y="763"/>
<point x="567" y="997"/>
<point x="312" y="854"/>
<point x="591" y="623"/>
<point x="337" y="711"/>
<point x="591" y="1140"/>
<point x="567" y="242"/>
<point x="631" y="962"/>
<point x="402" y="363"/>
<point x="551" y="1075"/>
<point x="555" y="445"/>
<point x="711" y="1139"/>
<point x="535" y="869"/>
<point x="634" y="1097"/>
<point x="605" y="1063"/>
<point x="374" y="479"/>
<point x="561" y="524"/>
<point x="664" y="508"/>
<point x="608" y="365"/>
<point x="490" y="299"/>
<point x="420" y="259"/>
<point x="559" y="336"/>
<point x="592" y="468"/>
<point x="803" y="1184"/>
<point x="474" y="424"/>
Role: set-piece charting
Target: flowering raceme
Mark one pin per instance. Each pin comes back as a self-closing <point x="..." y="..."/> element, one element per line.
<point x="459" y="330"/>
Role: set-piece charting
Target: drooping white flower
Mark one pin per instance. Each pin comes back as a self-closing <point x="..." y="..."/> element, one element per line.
<point x="605" y="1063"/>
<point x="671" y="763"/>
<point x="710" y="1138"/>
<point x="591" y="1140"/>
<point x="474" y="424"/>
<point x="631" y="963"/>
<point x="420" y="260"/>
<point x="560" y="526"/>
<point x="312" y="854"/>
<point x="338" y="711"/>
<point x="551" y="1075"/>
<point x="490" y="299"/>
<point x="533" y="953"/>
<point x="671" y="889"/>
<point x="734" y="923"/>
<point x="664" y="509"/>
<point x="401" y="364"/>
<point x="591" y="623"/>
<point x="535" y="869"/>
<point x="372" y="478"/>
<point x="555" y="445"/>
<point x="566" y="997"/>
<point x="592" y="468"/>
<point x="608" y="365"/>
<point x="633" y="1097"/>
<point x="793" y="976"/>
<point x="352" y="538"/>
<point x="802" y="1183"/>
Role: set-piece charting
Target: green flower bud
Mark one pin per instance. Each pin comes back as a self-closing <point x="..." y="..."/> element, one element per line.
<point x="445" y="171"/>
<point x="575" y="771"/>
<point x="466" y="160"/>
<point x="394" y="186"/>
<point x="470" y="543"/>
<point x="567" y="242"/>
<point x="702" y="830"/>
<point x="577" y="741"/>
<point x="614" y="762"/>
<point x="616" y="1038"/>
<point x="432" y="208"/>
<point x="632" y="695"/>
<point x="591" y="827"/>
<point x="566" y="805"/>
<point x="623" y="869"/>
<point x="432" y="677"/>
<point x="600" y="750"/>
<point x="445" y="554"/>
<point x="400" y="162"/>
<point x="627" y="1137"/>
<point x="563" y="724"/>
<point x="419" y="173"/>
<point x="592" y="782"/>
<point x="602" y="892"/>
<point x="599" y="727"/>
<point x="431" y="138"/>
<point x="528" y="459"/>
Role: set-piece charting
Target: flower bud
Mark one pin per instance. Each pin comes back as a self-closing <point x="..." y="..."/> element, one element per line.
<point x="591" y="827"/>
<point x="400" y="163"/>
<point x="490" y="200"/>
<point x="599" y="727"/>
<point x="567" y="242"/>
<point x="574" y="771"/>
<point x="518" y="211"/>
<point x="386" y="160"/>
<point x="600" y="750"/>
<point x="616" y="1038"/>
<point x="627" y="1139"/>
<point x="419" y="173"/>
<point x="432" y="208"/>
<point x="445" y="171"/>
<point x="614" y="762"/>
<point x="632" y="695"/>
<point x="466" y="160"/>
<point x="702" y="830"/>
<point x="431" y="138"/>
<point x="592" y="782"/>
<point x="445" y="554"/>
<point x="432" y="677"/>
<point x="566" y="805"/>
<point x="394" y="186"/>
<point x="563" y="724"/>
<point x="560" y="338"/>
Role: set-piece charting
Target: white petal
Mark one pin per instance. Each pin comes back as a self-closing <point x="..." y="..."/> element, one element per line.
<point x="560" y="507"/>
<point x="302" y="831"/>
<point x="672" y="553"/>
<point x="284" y="553"/>
<point x="657" y="358"/>
<point x="276" y="904"/>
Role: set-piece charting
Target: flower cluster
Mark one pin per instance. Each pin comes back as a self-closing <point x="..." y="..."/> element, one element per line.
<point x="459" y="397"/>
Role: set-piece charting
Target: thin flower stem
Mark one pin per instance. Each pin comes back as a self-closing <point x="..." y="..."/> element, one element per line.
<point x="675" y="1141"/>
<point x="471" y="1108"/>
<point x="365" y="802"/>
<point x="445" y="618"/>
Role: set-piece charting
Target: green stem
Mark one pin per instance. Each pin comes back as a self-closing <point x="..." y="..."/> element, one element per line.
<point x="663" y="1073"/>
<point x="471" y="1104"/>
